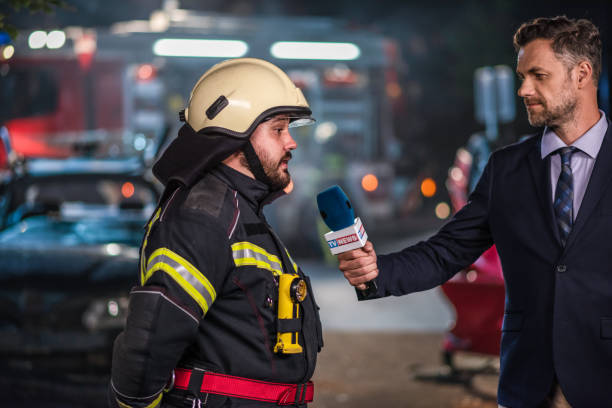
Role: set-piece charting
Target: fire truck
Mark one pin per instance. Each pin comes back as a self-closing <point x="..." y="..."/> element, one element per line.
<point x="118" y="90"/>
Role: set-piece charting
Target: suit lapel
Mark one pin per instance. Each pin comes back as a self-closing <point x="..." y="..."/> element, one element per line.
<point x="540" y="172"/>
<point x="599" y="181"/>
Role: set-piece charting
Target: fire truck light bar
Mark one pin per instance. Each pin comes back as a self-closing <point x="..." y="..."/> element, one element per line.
<point x="176" y="47"/>
<point x="315" y="50"/>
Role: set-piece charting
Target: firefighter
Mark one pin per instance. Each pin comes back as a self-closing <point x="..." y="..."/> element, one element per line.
<point x="223" y="317"/>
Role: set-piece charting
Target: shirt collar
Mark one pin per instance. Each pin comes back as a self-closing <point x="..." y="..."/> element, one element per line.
<point x="590" y="142"/>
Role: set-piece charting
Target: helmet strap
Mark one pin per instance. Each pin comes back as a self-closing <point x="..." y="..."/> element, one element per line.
<point x="255" y="164"/>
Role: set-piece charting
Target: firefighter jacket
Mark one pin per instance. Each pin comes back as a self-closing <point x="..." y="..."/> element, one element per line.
<point x="207" y="299"/>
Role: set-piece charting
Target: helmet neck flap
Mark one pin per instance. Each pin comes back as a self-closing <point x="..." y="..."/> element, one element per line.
<point x="193" y="153"/>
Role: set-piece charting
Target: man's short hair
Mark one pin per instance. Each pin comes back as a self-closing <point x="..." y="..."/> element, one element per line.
<point x="573" y="40"/>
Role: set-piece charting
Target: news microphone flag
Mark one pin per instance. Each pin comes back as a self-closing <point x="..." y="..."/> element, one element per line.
<point x="347" y="232"/>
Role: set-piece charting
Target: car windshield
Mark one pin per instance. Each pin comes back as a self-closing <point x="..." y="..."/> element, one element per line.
<point x="79" y="197"/>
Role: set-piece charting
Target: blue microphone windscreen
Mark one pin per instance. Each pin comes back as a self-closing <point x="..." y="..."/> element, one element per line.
<point x="335" y="208"/>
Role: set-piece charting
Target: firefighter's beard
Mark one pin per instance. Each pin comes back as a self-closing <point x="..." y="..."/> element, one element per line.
<point x="278" y="177"/>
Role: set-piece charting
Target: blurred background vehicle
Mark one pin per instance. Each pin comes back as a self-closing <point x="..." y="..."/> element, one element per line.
<point x="70" y="231"/>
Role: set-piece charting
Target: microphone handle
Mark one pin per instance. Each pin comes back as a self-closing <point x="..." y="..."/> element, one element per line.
<point x="371" y="289"/>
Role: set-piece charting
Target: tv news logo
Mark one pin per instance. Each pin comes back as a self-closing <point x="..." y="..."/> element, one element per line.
<point x="347" y="239"/>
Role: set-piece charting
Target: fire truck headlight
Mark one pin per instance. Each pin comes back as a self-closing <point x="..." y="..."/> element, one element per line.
<point x="37" y="39"/>
<point x="56" y="39"/>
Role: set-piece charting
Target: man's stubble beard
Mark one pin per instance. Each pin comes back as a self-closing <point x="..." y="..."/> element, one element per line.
<point x="557" y="115"/>
<point x="279" y="179"/>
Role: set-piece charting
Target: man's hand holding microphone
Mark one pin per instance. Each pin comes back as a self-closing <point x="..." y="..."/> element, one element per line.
<point x="348" y="240"/>
<point x="359" y="265"/>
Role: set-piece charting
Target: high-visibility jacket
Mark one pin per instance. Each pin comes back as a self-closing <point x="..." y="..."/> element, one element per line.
<point x="208" y="293"/>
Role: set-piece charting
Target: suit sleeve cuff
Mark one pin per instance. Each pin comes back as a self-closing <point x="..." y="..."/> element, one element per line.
<point x="375" y="290"/>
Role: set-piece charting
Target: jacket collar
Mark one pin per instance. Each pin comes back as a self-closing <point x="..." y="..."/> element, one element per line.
<point x="257" y="194"/>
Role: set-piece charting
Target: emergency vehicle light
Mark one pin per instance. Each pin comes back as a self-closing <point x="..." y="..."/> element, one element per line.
<point x="56" y="39"/>
<point x="4" y="38"/>
<point x="145" y="72"/>
<point x="177" y="47"/>
<point x="315" y="50"/>
<point x="37" y="39"/>
<point x="7" y="52"/>
<point x="369" y="182"/>
<point x="127" y="189"/>
<point x="428" y="187"/>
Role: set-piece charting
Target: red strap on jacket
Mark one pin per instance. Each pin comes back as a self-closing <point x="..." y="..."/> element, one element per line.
<point x="239" y="387"/>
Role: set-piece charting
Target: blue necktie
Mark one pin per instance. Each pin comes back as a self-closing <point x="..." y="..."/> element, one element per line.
<point x="564" y="194"/>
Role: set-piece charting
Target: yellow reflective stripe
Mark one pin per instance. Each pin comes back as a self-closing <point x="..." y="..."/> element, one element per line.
<point x="156" y="402"/>
<point x="191" y="291"/>
<point x="295" y="267"/>
<point x="241" y="246"/>
<point x="257" y="263"/>
<point x="122" y="404"/>
<point x="246" y="253"/>
<point x="144" y="245"/>
<point x="153" y="404"/>
<point x="184" y="273"/>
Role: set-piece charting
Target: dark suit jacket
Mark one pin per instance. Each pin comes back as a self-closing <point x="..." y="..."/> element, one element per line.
<point x="558" y="313"/>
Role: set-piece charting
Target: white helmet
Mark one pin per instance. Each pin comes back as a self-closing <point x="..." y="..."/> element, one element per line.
<point x="234" y="96"/>
<point x="226" y="105"/>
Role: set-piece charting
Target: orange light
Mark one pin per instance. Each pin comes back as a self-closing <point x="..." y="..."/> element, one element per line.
<point x="394" y="90"/>
<point x="127" y="189"/>
<point x="428" y="187"/>
<point x="145" y="72"/>
<point x="369" y="182"/>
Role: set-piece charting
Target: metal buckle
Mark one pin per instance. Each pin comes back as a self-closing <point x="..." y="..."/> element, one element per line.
<point x="171" y="383"/>
<point x="195" y="387"/>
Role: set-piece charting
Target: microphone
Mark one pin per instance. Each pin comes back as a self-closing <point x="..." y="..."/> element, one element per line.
<point x="347" y="231"/>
